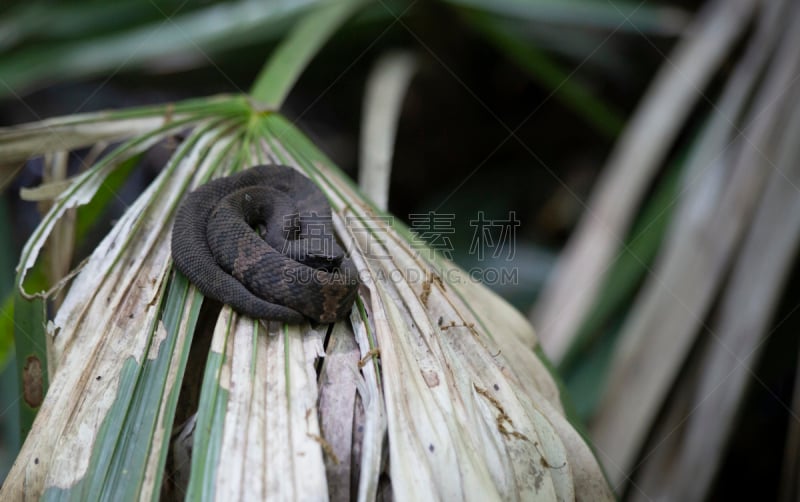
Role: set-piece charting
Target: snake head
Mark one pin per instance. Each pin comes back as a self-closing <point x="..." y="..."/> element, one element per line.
<point x="324" y="254"/>
<point x="324" y="262"/>
<point x="309" y="239"/>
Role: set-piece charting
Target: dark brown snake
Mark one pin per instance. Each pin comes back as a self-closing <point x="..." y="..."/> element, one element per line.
<point x="262" y="242"/>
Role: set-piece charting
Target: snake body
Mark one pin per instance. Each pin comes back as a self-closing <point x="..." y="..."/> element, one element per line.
<point x="294" y="271"/>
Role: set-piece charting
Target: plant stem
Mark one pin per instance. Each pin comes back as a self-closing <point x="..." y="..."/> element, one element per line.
<point x="290" y="58"/>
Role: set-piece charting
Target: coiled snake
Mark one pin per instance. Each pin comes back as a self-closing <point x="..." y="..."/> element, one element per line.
<point x="295" y="270"/>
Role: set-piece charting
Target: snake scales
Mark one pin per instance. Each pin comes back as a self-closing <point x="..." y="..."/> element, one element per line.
<point x="262" y="242"/>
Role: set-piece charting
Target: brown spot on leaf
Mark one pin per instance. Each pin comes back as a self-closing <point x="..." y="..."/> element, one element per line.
<point x="439" y="282"/>
<point x="431" y="378"/>
<point x="426" y="291"/>
<point x="33" y="382"/>
<point x="430" y="279"/>
<point x="503" y="421"/>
